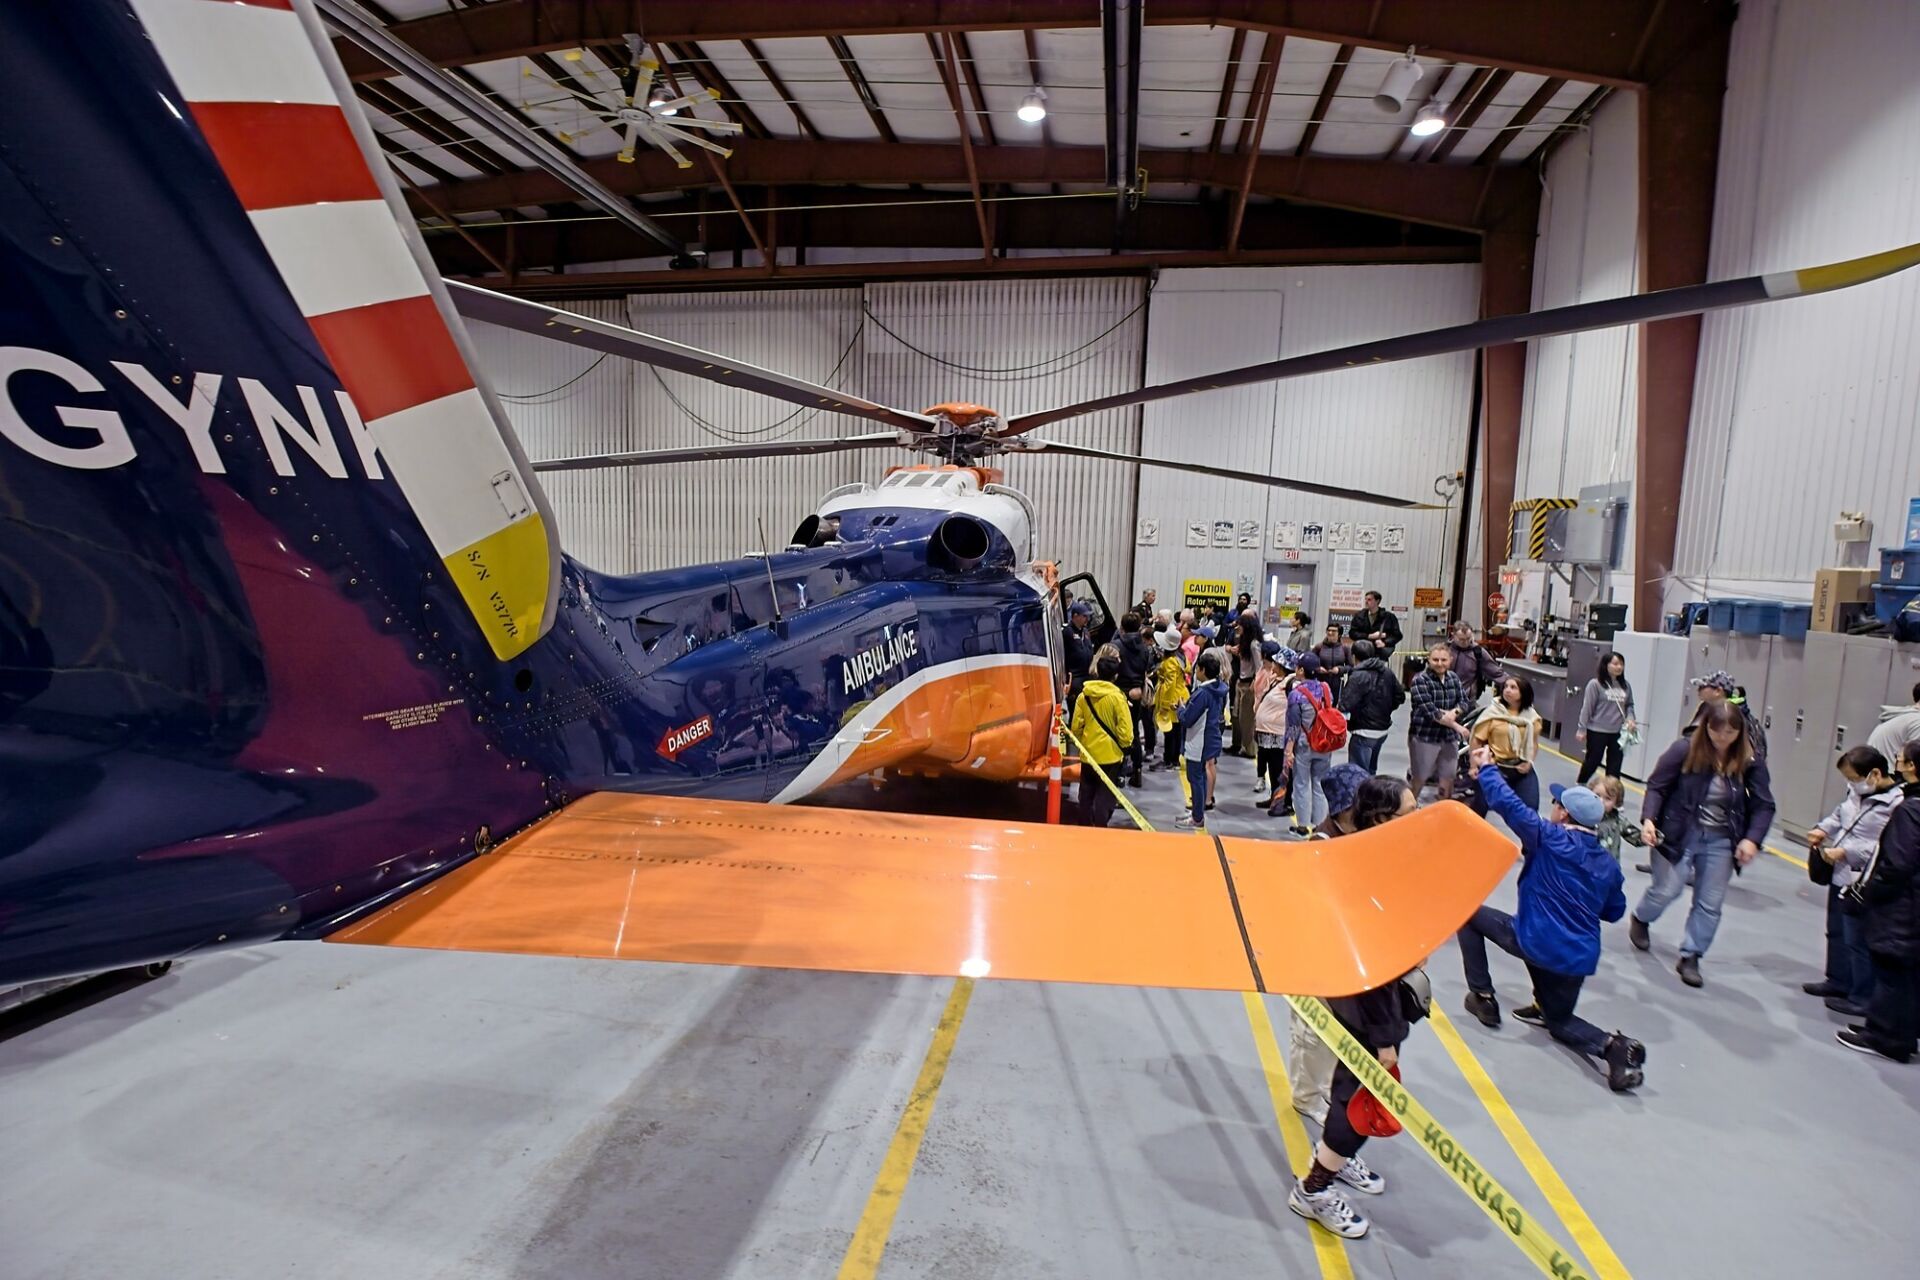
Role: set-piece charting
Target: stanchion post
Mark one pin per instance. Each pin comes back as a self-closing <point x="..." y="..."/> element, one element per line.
<point x="1053" y="769"/>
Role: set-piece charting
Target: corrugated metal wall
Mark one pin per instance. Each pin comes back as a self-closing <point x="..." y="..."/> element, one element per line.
<point x="1578" y="421"/>
<point x="566" y="401"/>
<point x="1391" y="429"/>
<point x="1019" y="346"/>
<point x="1805" y="408"/>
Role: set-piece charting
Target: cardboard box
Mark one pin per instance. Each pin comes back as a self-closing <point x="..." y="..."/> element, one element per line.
<point x="1833" y="588"/>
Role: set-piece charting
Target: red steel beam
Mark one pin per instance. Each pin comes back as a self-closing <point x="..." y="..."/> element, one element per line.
<point x="1263" y="95"/>
<point x="792" y="103"/>
<point x="850" y="67"/>
<point x="1234" y="50"/>
<point x="1436" y="195"/>
<point x="589" y="283"/>
<point x="1679" y="150"/>
<point x="1506" y="287"/>
<point x="950" y="74"/>
<point x="1335" y="74"/>
<point x="1572" y="39"/>
<point x="718" y="171"/>
<point x="1469" y="92"/>
<point x="1457" y="129"/>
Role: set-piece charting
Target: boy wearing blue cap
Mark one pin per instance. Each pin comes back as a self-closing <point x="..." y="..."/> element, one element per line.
<point x="1568" y="886"/>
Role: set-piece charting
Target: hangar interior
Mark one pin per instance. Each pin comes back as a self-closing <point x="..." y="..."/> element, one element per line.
<point x="1037" y="203"/>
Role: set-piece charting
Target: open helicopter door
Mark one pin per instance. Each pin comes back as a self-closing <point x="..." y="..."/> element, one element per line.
<point x="1083" y="587"/>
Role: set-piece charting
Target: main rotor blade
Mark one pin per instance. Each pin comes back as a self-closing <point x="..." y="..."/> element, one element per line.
<point x="1664" y="304"/>
<point x="1251" y="477"/>
<point x="598" y="335"/>
<point x="718" y="452"/>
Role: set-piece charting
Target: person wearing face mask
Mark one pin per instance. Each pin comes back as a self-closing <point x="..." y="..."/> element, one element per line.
<point x="1889" y="891"/>
<point x="1841" y="845"/>
<point x="1708" y="807"/>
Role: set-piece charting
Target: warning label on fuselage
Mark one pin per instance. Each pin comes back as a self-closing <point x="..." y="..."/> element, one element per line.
<point x="868" y="665"/>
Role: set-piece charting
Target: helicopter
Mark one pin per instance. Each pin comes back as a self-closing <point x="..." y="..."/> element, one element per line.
<point x="289" y="648"/>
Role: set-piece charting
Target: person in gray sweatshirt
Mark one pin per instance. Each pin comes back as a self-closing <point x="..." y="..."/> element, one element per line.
<point x="1605" y="713"/>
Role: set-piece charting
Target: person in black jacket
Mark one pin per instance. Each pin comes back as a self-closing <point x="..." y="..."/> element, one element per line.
<point x="1708" y="807"/>
<point x="1890" y="890"/>
<point x="1370" y="698"/>
<point x="1378" y="1020"/>
<point x="1377" y="624"/>
<point x="1076" y="644"/>
<point x="1136" y="659"/>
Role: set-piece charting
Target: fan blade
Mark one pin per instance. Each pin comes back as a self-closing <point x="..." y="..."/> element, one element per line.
<point x="660" y="139"/>
<point x="628" y="145"/>
<point x="719" y="452"/>
<point x="1251" y="477"/>
<point x="647" y="65"/>
<point x="598" y="335"/>
<point x="1608" y="313"/>
<point x="695" y="140"/>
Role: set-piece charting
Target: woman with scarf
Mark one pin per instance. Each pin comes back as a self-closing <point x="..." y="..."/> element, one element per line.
<point x="1510" y="728"/>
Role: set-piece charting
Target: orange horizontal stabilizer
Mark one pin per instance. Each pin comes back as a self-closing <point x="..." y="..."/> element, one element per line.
<point x="640" y="877"/>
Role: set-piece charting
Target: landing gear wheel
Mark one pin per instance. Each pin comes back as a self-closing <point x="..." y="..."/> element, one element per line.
<point x="158" y="969"/>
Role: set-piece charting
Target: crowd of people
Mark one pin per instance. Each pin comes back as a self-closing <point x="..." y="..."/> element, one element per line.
<point x="1206" y="685"/>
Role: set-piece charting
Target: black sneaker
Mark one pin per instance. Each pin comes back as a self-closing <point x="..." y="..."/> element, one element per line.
<point x="1531" y="1015"/>
<point x="1483" y="1005"/>
<point x="1689" y="971"/>
<point x="1624" y="1057"/>
<point x="1637" y="933"/>
<point x="1644" y="868"/>
<point x="1842" y="1005"/>
<point x="1861" y="1042"/>
<point x="1824" y="989"/>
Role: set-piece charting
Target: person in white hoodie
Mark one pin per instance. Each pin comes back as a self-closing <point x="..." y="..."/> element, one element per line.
<point x="1845" y="840"/>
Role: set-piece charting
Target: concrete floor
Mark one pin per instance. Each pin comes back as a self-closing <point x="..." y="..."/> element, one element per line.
<point x="305" y="1109"/>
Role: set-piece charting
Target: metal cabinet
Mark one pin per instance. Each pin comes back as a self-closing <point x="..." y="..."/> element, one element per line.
<point x="1844" y="682"/>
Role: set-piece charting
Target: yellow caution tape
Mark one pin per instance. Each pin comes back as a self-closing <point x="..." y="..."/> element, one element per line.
<point x="1553" y="1258"/>
<point x="1087" y="762"/>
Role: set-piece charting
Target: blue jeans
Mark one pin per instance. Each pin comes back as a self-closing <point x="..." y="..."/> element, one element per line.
<point x="1309" y="798"/>
<point x="1849" y="967"/>
<point x="1709" y="856"/>
<point x="1365" y="752"/>
<point x="1197" y="783"/>
<point x="1555" y="994"/>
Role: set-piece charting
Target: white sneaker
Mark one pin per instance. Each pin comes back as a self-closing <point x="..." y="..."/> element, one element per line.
<point x="1330" y="1209"/>
<point x="1356" y="1175"/>
<point x="1186" y="823"/>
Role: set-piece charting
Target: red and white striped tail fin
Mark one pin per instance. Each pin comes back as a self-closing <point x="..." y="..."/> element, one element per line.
<point x="267" y="92"/>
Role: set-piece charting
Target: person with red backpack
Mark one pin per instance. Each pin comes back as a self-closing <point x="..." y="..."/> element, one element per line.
<point x="1315" y="730"/>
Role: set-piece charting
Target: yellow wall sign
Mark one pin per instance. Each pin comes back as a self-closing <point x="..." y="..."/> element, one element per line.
<point x="1201" y="593"/>
<point x="1429" y="598"/>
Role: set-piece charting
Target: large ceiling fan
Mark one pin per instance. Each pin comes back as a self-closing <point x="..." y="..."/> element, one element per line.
<point x="967" y="433"/>
<point x="635" y="110"/>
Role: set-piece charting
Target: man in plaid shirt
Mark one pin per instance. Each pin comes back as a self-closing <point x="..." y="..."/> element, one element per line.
<point x="1433" y="741"/>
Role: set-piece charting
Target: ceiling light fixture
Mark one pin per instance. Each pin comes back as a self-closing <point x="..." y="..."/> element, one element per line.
<point x="1402" y="75"/>
<point x="1033" y="107"/>
<point x="658" y="102"/>
<point x="1430" y="120"/>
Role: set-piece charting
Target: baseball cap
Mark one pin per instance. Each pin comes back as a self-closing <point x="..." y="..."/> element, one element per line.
<point x="1270" y="647"/>
<point x="1308" y="663"/>
<point x="1715" y="680"/>
<point x="1207" y="631"/>
<point x="1081" y="609"/>
<point x="1581" y="805"/>
<point x="1342" y="786"/>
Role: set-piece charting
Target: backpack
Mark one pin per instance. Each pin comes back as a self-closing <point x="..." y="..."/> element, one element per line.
<point x="1328" y="732"/>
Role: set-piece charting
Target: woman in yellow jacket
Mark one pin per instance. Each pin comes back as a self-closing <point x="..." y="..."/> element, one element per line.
<point x="1103" y="725"/>
<point x="1510" y="728"/>
<point x="1170" y="693"/>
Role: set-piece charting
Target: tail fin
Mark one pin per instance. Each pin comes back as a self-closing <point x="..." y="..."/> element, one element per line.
<point x="264" y="536"/>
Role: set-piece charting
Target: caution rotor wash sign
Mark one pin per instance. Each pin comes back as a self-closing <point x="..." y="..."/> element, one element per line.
<point x="1548" y="1254"/>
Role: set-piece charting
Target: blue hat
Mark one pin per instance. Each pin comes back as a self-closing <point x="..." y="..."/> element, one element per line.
<point x="1342" y="786"/>
<point x="1081" y="609"/>
<point x="1270" y="647"/>
<point x="1581" y="805"/>
<point x="1308" y="663"/>
<point x="1207" y="632"/>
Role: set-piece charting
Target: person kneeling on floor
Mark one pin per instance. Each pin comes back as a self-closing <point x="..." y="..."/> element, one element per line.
<point x="1569" y="884"/>
<point x="1379" y="1019"/>
<point x="1103" y="723"/>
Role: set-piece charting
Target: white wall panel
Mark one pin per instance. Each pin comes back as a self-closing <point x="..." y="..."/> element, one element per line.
<point x="1805" y="408"/>
<point x="1578" y="419"/>
<point x="1018" y="346"/>
<point x="1391" y="429"/>
<point x="565" y="401"/>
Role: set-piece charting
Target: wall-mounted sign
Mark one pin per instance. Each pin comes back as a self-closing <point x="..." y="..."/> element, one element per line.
<point x="1313" y="536"/>
<point x="1247" y="534"/>
<point x="1429" y="598"/>
<point x="1393" y="537"/>
<point x="1203" y="593"/>
<point x="1366" y="537"/>
<point x="1339" y="534"/>
<point x="1196" y="534"/>
<point x="1223" y="533"/>
<point x="1149" y="533"/>
<point x="1286" y="536"/>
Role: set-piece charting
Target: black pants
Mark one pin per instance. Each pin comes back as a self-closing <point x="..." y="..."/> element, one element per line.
<point x="1097" y="802"/>
<point x="1555" y="993"/>
<point x="1893" y="1018"/>
<point x="1173" y="738"/>
<point x="1601" y="745"/>
<point x="1338" y="1132"/>
<point x="1146" y="734"/>
<point x="1271" y="764"/>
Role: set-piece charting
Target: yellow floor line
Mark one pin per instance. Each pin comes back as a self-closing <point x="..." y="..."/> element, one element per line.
<point x="869" y="1241"/>
<point x="1634" y="786"/>
<point x="1328" y="1248"/>
<point x="1606" y="1264"/>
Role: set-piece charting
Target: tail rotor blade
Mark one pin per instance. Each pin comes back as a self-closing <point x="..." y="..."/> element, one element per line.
<point x="720" y="452"/>
<point x="1251" y="477"/>
<point x="1664" y="304"/>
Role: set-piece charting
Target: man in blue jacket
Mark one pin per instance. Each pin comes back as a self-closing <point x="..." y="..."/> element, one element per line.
<point x="1569" y="884"/>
